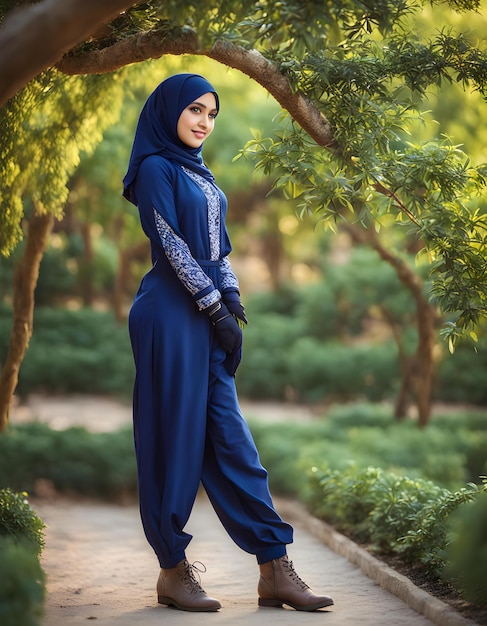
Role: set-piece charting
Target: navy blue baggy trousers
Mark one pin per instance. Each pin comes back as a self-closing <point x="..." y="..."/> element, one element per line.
<point x="178" y="450"/>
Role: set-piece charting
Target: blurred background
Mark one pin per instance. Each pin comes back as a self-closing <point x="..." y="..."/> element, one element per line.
<point x="329" y="351"/>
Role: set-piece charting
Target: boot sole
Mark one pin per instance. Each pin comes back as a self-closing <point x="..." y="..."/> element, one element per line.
<point x="192" y="609"/>
<point x="274" y="603"/>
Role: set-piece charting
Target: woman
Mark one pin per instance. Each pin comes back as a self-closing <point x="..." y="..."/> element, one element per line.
<point x="186" y="338"/>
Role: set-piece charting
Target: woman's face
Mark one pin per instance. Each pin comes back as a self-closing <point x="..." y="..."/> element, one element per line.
<point x="197" y="120"/>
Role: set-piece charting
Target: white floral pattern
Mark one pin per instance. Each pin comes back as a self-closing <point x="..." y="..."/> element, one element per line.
<point x="214" y="211"/>
<point x="187" y="269"/>
<point x="179" y="255"/>
<point x="229" y="280"/>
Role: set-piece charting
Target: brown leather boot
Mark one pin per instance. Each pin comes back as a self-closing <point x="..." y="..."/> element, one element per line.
<point x="178" y="587"/>
<point x="279" y="584"/>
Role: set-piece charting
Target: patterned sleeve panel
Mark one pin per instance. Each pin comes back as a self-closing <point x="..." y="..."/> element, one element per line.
<point x="186" y="267"/>
<point x="229" y="280"/>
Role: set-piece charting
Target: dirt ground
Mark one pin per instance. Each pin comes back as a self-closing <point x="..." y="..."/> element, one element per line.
<point x="104" y="414"/>
<point x="100" y="567"/>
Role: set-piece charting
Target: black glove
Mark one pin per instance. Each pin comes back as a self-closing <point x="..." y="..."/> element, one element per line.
<point x="227" y="330"/>
<point x="232" y="300"/>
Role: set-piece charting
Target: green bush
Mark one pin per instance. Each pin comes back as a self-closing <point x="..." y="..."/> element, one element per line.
<point x="336" y="372"/>
<point x="467" y="551"/>
<point x="22" y="587"/>
<point x="291" y="351"/>
<point x="55" y="278"/>
<point x="264" y="371"/>
<point x="279" y="362"/>
<point x="425" y="542"/>
<point x="19" y="521"/>
<point x="431" y="453"/>
<point x="83" y="351"/>
<point x="461" y="375"/>
<point x="285" y="449"/>
<point x="345" y="498"/>
<point x="343" y="417"/>
<point x="282" y="302"/>
<point x="394" y="514"/>
<point x="64" y="272"/>
<point x="73" y="460"/>
<point x="319" y="312"/>
<point x="450" y="452"/>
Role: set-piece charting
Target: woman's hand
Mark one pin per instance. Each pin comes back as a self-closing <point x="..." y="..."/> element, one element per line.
<point x="227" y="330"/>
<point x="234" y="305"/>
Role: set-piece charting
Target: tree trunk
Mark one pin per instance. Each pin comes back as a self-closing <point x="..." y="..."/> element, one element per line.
<point x="122" y="270"/>
<point x="118" y="286"/>
<point x="138" y="252"/>
<point x="421" y="372"/>
<point x="401" y="404"/>
<point x="25" y="281"/>
<point x="424" y="378"/>
<point x="272" y="251"/>
<point x="406" y="368"/>
<point x="34" y="37"/>
<point x="87" y="265"/>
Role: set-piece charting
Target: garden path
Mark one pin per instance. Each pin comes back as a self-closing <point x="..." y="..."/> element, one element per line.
<point x="100" y="567"/>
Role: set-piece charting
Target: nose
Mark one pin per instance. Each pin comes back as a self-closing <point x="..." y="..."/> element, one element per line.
<point x="203" y="122"/>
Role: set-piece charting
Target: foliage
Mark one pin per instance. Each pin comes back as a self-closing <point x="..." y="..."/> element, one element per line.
<point x="369" y="86"/>
<point x="82" y="351"/>
<point x="324" y="342"/>
<point x="467" y="551"/>
<point x="333" y="340"/>
<point x="72" y="461"/>
<point x="450" y="452"/>
<point x="460" y="375"/>
<point x="45" y="129"/>
<point x="425" y="543"/>
<point x="366" y="68"/>
<point x="22" y="591"/>
<point x="304" y="370"/>
<point x="396" y="514"/>
<point x="19" y="521"/>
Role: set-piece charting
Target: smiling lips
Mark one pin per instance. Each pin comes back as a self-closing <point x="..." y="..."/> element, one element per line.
<point x="199" y="134"/>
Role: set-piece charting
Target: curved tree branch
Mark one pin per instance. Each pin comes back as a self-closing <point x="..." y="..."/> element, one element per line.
<point x="151" y="44"/>
<point x="34" y="37"/>
<point x="263" y="71"/>
<point x="154" y="44"/>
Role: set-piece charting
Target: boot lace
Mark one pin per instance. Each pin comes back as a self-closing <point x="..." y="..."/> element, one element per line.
<point x="294" y="575"/>
<point x="189" y="575"/>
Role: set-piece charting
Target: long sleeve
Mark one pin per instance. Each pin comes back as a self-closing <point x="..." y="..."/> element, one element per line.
<point x="229" y="280"/>
<point x="186" y="267"/>
<point x="160" y="215"/>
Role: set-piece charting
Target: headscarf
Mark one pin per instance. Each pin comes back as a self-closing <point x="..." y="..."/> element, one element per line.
<point x="157" y="127"/>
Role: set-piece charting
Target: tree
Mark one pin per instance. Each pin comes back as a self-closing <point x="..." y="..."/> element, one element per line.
<point x="35" y="36"/>
<point x="44" y="129"/>
<point x="349" y="75"/>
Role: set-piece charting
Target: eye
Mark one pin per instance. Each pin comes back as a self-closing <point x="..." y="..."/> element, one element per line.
<point x="212" y="115"/>
<point x="195" y="109"/>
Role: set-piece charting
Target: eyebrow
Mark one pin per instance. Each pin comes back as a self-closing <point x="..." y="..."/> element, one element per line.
<point x="203" y="106"/>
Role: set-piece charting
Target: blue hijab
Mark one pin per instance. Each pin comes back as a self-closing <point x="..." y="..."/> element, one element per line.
<point x="157" y="128"/>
